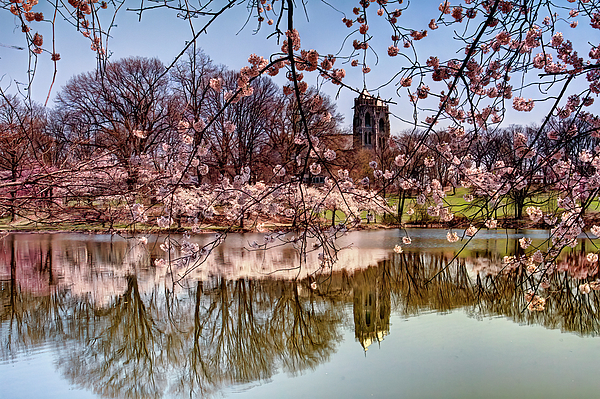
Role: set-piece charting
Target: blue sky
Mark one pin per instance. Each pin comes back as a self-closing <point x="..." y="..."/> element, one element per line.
<point x="161" y="34"/>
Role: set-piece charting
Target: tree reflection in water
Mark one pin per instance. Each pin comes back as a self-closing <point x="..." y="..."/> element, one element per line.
<point x="118" y="349"/>
<point x="245" y="331"/>
<point x="121" y="330"/>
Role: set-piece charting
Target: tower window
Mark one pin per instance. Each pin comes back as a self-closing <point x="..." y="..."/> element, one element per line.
<point x="381" y="126"/>
<point x="368" y="119"/>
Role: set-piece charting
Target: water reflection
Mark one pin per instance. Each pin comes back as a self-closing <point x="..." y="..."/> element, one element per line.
<point x="121" y="328"/>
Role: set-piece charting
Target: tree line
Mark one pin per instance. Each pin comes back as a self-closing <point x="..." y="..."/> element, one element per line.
<point x="134" y="129"/>
<point x="135" y="135"/>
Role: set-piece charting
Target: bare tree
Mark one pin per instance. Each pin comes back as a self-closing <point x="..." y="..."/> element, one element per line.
<point x="21" y="133"/>
<point x="125" y="112"/>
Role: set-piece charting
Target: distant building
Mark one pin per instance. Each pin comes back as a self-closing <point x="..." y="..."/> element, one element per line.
<point x="371" y="125"/>
<point x="370" y="130"/>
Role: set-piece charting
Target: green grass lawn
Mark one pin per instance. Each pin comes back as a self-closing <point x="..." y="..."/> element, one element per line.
<point x="479" y="208"/>
<point x="476" y="209"/>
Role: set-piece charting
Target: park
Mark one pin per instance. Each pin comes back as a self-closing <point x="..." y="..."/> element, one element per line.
<point x="200" y="198"/>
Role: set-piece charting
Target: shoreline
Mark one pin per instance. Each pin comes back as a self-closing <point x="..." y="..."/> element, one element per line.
<point x="269" y="228"/>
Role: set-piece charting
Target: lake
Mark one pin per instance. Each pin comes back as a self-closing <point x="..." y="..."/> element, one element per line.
<point x="95" y="316"/>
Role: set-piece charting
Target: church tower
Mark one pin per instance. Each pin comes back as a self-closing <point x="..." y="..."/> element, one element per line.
<point x="371" y="127"/>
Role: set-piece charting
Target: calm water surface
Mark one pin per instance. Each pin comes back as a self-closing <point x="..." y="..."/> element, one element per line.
<point x="91" y="316"/>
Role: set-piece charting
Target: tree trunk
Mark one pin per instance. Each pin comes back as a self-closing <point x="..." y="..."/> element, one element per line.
<point x="519" y="205"/>
<point x="401" y="206"/>
<point x="13" y="194"/>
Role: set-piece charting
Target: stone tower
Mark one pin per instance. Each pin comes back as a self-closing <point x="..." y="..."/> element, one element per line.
<point x="371" y="127"/>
